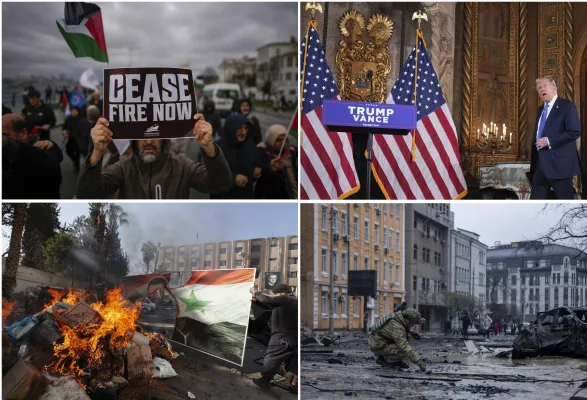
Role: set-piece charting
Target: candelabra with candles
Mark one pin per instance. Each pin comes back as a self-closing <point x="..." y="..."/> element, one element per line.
<point x="491" y="140"/>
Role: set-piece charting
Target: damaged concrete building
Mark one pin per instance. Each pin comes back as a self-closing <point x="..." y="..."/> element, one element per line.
<point x="531" y="277"/>
<point x="428" y="228"/>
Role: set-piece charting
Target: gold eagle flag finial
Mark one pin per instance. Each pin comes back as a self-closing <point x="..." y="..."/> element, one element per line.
<point x="420" y="15"/>
<point x="313" y="7"/>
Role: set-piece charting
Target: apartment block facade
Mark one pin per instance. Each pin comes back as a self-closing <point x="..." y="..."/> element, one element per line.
<point x="532" y="277"/>
<point x="428" y="228"/>
<point x="275" y="254"/>
<point x="338" y="238"/>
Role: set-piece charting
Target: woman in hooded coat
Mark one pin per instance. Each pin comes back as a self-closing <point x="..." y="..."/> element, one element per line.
<point x="240" y="151"/>
<point x="277" y="166"/>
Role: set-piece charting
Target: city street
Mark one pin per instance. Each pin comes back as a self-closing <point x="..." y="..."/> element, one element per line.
<point x="350" y="370"/>
<point x="69" y="182"/>
<point x="200" y="370"/>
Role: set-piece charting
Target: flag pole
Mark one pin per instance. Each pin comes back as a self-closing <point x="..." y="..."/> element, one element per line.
<point x="419" y="15"/>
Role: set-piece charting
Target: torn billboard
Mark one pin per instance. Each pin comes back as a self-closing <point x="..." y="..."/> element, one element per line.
<point x="213" y="307"/>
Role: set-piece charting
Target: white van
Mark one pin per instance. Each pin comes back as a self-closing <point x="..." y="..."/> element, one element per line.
<point x="223" y="95"/>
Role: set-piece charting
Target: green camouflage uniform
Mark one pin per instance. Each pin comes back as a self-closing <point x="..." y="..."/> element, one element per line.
<point x="391" y="339"/>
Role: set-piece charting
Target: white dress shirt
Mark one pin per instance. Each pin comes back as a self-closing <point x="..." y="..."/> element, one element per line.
<point x="550" y="105"/>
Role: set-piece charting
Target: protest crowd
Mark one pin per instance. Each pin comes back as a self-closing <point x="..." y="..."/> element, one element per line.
<point x="243" y="162"/>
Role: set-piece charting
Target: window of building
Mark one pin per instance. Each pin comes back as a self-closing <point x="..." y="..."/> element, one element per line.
<point x="376" y="267"/>
<point x="514" y="280"/>
<point x="335" y="262"/>
<point x="513" y="295"/>
<point x="555" y="297"/>
<point x="208" y="252"/>
<point x="356" y="262"/>
<point x="291" y="246"/>
<point x="415" y="223"/>
<point x="376" y="234"/>
<point x="397" y="241"/>
<point x="335" y="305"/>
<point x="385" y="271"/>
<point x="566" y="278"/>
<point x="384" y="236"/>
<point x="396" y="272"/>
<point x="343" y="301"/>
<point x="223" y="250"/>
<point x="523" y="295"/>
<point x="523" y="279"/>
<point x="292" y="274"/>
<point x="222" y="263"/>
<point x="207" y="263"/>
<point x="324" y="266"/>
<point x="324" y="219"/>
<point x="565" y="296"/>
<point x="415" y="252"/>
<point x="324" y="302"/>
<point x="344" y="224"/>
<point x="366" y="231"/>
<point x="334" y="221"/>
<point x="390" y="240"/>
<point x="181" y="252"/>
<point x="292" y="260"/>
<point x="257" y="248"/>
<point x="238" y="263"/>
<point x="345" y="265"/>
<point x="366" y="263"/>
<point x="558" y="278"/>
<point x="239" y="249"/>
<point x="415" y="283"/>
<point x="356" y="227"/>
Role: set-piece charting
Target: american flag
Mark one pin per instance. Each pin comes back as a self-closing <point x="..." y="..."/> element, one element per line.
<point x="327" y="165"/>
<point x="436" y="172"/>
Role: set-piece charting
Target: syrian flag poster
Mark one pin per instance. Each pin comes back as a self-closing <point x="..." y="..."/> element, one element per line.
<point x="149" y="103"/>
<point x="213" y="307"/>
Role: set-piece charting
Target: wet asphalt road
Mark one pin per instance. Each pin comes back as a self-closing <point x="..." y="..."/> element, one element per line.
<point x="352" y="371"/>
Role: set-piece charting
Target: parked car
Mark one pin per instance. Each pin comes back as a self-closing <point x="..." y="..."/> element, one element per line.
<point x="223" y="95"/>
<point x="559" y="331"/>
<point x="147" y="305"/>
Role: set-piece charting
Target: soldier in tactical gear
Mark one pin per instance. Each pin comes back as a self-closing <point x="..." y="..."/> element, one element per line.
<point x="389" y="336"/>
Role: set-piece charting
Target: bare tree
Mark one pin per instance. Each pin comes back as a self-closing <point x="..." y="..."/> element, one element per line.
<point x="571" y="229"/>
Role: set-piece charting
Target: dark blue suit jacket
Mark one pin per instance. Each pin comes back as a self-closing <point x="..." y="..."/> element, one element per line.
<point x="562" y="130"/>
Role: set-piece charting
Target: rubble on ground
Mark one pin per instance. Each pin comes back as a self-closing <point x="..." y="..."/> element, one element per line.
<point x="75" y="350"/>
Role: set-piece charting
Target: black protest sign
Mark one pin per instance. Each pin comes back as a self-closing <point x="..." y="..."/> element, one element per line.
<point x="149" y="103"/>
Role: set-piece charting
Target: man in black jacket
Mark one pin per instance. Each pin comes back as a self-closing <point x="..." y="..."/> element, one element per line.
<point x="39" y="116"/>
<point x="30" y="169"/>
<point x="283" y="345"/>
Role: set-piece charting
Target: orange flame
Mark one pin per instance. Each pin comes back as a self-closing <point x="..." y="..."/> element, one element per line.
<point x="73" y="297"/>
<point x="84" y="346"/>
<point x="7" y="307"/>
<point x="56" y="295"/>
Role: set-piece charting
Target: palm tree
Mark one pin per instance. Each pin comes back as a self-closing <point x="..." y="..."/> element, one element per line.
<point x="149" y="251"/>
<point x="9" y="277"/>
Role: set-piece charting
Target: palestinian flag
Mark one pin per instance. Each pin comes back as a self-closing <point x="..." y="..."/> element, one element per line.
<point x="213" y="312"/>
<point x="293" y="125"/>
<point x="83" y="31"/>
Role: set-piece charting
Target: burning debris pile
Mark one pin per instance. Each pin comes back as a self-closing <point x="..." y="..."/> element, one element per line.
<point x="98" y="344"/>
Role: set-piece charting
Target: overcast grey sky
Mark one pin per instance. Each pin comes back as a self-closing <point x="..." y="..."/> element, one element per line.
<point x="504" y="222"/>
<point x="179" y="223"/>
<point x="165" y="34"/>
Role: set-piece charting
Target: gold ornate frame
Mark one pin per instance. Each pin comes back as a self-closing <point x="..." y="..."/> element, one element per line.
<point x="473" y="156"/>
<point x="562" y="53"/>
<point x="354" y="58"/>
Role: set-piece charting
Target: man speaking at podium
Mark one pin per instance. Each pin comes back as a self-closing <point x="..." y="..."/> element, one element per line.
<point x="554" y="159"/>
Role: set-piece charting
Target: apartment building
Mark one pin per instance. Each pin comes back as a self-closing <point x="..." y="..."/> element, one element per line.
<point x="275" y="254"/>
<point x="531" y="277"/>
<point x="338" y="238"/>
<point x="428" y="229"/>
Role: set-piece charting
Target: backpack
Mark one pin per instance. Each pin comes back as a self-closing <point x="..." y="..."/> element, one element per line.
<point x="379" y="324"/>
